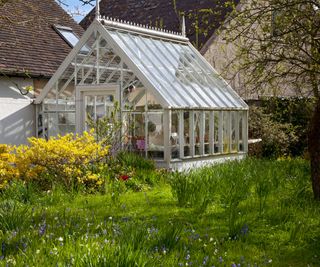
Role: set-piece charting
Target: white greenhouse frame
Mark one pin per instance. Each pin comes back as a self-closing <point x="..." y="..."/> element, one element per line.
<point x="183" y="113"/>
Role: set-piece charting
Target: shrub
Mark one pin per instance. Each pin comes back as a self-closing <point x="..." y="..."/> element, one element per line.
<point x="7" y="169"/>
<point x="66" y="160"/>
<point x="298" y="112"/>
<point x="277" y="137"/>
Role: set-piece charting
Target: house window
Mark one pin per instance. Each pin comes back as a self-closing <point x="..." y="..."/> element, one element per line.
<point x="69" y="36"/>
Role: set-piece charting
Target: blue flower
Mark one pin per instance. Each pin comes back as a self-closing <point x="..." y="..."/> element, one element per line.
<point x="205" y="260"/>
<point x="42" y="229"/>
<point x="245" y="229"/>
<point x="3" y="248"/>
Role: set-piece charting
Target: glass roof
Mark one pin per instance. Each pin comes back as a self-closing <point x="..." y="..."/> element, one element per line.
<point x="177" y="72"/>
<point x="166" y="64"/>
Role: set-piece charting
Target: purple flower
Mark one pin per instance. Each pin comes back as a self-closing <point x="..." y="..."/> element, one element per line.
<point x="42" y="229"/>
<point x="244" y="229"/>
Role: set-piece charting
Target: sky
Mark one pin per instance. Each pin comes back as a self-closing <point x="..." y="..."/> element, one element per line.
<point x="76" y="9"/>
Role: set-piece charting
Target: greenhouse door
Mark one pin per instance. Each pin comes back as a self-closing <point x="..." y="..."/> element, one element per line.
<point x="94" y="105"/>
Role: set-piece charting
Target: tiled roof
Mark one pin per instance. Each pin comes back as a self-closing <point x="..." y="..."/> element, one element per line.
<point x="28" y="43"/>
<point x="167" y="14"/>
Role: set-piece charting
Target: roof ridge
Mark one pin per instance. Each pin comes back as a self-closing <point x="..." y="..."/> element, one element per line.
<point x="141" y="28"/>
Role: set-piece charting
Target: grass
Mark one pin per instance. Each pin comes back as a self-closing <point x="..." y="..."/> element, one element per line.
<point x="252" y="213"/>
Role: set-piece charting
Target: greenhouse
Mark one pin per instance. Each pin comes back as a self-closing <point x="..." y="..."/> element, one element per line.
<point x="172" y="105"/>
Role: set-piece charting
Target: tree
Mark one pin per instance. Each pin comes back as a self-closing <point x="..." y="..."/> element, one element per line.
<point x="277" y="48"/>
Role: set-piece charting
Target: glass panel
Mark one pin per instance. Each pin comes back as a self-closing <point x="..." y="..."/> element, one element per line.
<point x="241" y="118"/>
<point x="174" y="139"/>
<point x="216" y="132"/>
<point x="197" y="118"/>
<point x="134" y="98"/>
<point x="226" y="133"/>
<point x="100" y="107"/>
<point x="53" y="124"/>
<point x="206" y="132"/>
<point x="127" y="130"/>
<point x="90" y="109"/>
<point x="43" y="126"/>
<point x="155" y="135"/>
<point x="70" y="104"/>
<point x="186" y="123"/>
<point x="66" y="118"/>
<point x="234" y="142"/>
<point x="153" y="103"/>
<point x="138" y="132"/>
<point x="104" y="106"/>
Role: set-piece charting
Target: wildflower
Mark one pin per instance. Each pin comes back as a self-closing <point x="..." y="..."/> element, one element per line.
<point x="3" y="248"/>
<point x="245" y="229"/>
<point x="24" y="246"/>
<point x="164" y="250"/>
<point x="124" y="177"/>
<point x="188" y="256"/>
<point x="42" y="229"/>
<point x="205" y="260"/>
<point x="220" y="259"/>
<point x="60" y="239"/>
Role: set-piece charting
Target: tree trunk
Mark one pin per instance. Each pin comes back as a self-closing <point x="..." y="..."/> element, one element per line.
<point x="314" y="150"/>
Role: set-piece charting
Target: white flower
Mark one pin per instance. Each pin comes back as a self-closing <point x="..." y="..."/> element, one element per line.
<point x="60" y="239"/>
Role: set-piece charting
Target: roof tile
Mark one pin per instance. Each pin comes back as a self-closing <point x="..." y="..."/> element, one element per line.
<point x="28" y="42"/>
<point x="207" y="15"/>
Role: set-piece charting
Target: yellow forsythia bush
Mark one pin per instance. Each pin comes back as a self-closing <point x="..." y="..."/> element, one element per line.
<point x="67" y="160"/>
<point x="7" y="169"/>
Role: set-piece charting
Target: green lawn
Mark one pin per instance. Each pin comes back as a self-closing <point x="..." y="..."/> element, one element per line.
<point x="253" y="213"/>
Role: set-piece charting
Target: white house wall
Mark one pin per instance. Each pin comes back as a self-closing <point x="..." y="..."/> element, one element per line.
<point x="17" y="113"/>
